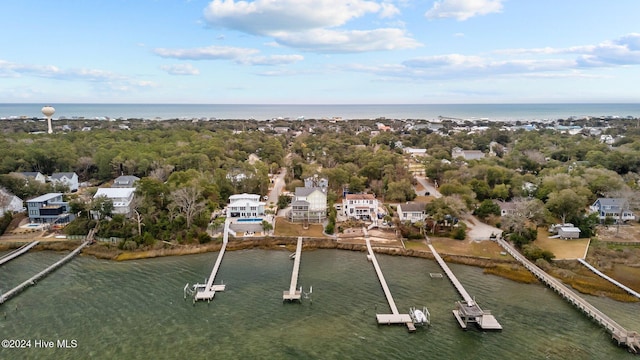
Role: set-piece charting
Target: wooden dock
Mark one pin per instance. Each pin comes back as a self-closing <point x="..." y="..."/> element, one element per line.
<point x="207" y="291"/>
<point x="32" y="281"/>
<point x="395" y="317"/>
<point x="609" y="279"/>
<point x="468" y="311"/>
<point x="17" y="252"/>
<point x="293" y="293"/>
<point x="622" y="336"/>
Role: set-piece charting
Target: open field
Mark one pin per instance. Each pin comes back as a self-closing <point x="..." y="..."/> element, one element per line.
<point x="483" y="249"/>
<point x="624" y="233"/>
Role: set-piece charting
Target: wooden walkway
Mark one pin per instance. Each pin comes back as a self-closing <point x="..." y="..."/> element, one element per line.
<point x="470" y="311"/>
<point x="32" y="281"/>
<point x="613" y="281"/>
<point x="294" y="294"/>
<point x="209" y="290"/>
<point x="395" y="317"/>
<point x="622" y="336"/>
<point x="14" y="254"/>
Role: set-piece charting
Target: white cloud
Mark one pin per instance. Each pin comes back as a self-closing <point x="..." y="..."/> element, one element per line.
<point x="181" y="69"/>
<point x="206" y="53"/>
<point x="262" y="17"/>
<point x="330" y="41"/>
<point x="271" y="60"/>
<point x="463" y="9"/>
<point x="311" y="25"/>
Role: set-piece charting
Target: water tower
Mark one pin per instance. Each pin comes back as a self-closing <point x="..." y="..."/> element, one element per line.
<point x="48" y="112"/>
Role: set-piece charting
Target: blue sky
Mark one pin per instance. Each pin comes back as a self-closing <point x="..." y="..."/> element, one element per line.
<point x="320" y="51"/>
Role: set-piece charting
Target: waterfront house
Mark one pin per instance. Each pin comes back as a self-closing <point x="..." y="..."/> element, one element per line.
<point x="69" y="179"/>
<point x="614" y="208"/>
<point x="412" y="211"/>
<point x="48" y="208"/>
<point x="125" y="181"/>
<point x="245" y="206"/>
<point x="10" y="202"/>
<point x="309" y="204"/>
<point x="121" y="198"/>
<point x="360" y="206"/>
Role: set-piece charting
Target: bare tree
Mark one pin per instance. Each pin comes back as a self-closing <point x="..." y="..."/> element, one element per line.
<point x="5" y="200"/>
<point x="188" y="201"/>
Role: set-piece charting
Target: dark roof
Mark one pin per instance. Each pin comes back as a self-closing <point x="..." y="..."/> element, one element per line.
<point x="62" y="174"/>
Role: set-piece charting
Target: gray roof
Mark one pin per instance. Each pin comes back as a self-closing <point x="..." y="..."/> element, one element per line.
<point x="413" y="206"/>
<point x="59" y="175"/>
<point x="306" y="191"/>
<point x="45" y="197"/>
<point x="611" y="201"/>
<point x="300" y="203"/>
<point x="30" y="173"/>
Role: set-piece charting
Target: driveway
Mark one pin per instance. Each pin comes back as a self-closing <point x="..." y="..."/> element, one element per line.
<point x="278" y="185"/>
<point x="428" y="187"/>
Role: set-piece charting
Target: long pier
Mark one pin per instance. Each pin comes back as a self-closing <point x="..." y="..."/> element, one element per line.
<point x="294" y="294"/>
<point x="17" y="252"/>
<point x="609" y="279"/>
<point x="469" y="311"/>
<point x="622" y="336"/>
<point x="208" y="290"/>
<point x="395" y="317"/>
<point x="32" y="281"/>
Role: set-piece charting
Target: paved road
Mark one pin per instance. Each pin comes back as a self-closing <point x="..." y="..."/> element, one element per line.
<point x="428" y="187"/>
<point x="278" y="185"/>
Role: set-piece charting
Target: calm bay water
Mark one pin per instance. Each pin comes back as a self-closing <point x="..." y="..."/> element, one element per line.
<point x="264" y="112"/>
<point x="136" y="310"/>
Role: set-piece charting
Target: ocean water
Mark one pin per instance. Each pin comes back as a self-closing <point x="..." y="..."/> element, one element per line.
<point x="505" y="112"/>
<point x="135" y="309"/>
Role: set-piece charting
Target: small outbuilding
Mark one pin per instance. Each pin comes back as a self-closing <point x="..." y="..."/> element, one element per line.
<point x="569" y="232"/>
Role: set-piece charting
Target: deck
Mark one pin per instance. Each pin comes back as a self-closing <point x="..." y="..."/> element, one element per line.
<point x="292" y="293"/>
<point x="395" y="317"/>
<point x="208" y="291"/>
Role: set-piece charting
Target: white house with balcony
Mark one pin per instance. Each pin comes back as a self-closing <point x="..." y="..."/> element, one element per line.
<point x="309" y="204"/>
<point x="615" y="208"/>
<point x="121" y="198"/>
<point x="245" y="206"/>
<point x="360" y="206"/>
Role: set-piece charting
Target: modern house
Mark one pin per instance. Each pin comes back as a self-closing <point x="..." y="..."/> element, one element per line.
<point x="121" y="198"/>
<point x="309" y="204"/>
<point x="37" y="176"/>
<point x="125" y="181"/>
<point x="10" y="202"/>
<point x="360" y="206"/>
<point x="70" y="179"/>
<point x="614" y="208"/>
<point x="466" y="154"/>
<point x="48" y="208"/>
<point x="412" y="211"/>
<point x="245" y="206"/>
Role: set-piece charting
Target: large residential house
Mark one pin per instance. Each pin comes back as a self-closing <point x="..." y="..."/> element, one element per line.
<point x="615" y="208"/>
<point x="10" y="202"/>
<point x="121" y="198"/>
<point x="412" y="211"/>
<point x="245" y="206"/>
<point x="70" y="179"/>
<point x="125" y="181"/>
<point x="309" y="204"/>
<point x="466" y="154"/>
<point x="48" y="208"/>
<point x="360" y="206"/>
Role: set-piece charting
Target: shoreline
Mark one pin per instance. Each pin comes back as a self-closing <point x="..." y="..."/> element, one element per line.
<point x="505" y="268"/>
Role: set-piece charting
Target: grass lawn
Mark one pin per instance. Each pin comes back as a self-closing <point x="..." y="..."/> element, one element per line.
<point x="485" y="249"/>
<point x="286" y="228"/>
<point x="562" y="249"/>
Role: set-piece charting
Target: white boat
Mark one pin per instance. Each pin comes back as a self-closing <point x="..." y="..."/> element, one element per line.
<point x="420" y="317"/>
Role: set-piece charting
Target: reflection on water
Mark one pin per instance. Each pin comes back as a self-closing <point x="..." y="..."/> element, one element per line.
<point x="136" y="310"/>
